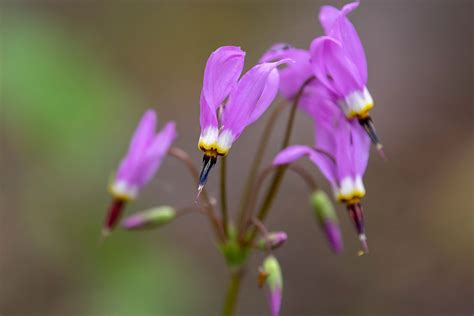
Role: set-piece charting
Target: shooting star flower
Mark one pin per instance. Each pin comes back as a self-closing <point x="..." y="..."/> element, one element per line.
<point x="339" y="62"/>
<point x="145" y="155"/>
<point x="229" y="105"/>
<point x="341" y="152"/>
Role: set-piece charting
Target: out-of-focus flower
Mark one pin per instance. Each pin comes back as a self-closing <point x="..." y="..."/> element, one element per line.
<point x="341" y="150"/>
<point x="145" y="154"/>
<point x="338" y="61"/>
<point x="273" y="240"/>
<point x="274" y="280"/>
<point x="228" y="104"/>
<point x="327" y="218"/>
<point x="151" y="218"/>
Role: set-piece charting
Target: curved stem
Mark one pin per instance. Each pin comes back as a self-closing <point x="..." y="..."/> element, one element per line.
<point x="232" y="293"/>
<point x="277" y="178"/>
<point x="305" y="175"/>
<point x="225" y="216"/>
<point x="252" y="176"/>
<point x="183" y="156"/>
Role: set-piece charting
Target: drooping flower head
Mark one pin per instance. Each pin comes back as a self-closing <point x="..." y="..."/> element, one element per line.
<point x="228" y="104"/>
<point x="338" y="61"/>
<point x="145" y="154"/>
<point x="341" y="149"/>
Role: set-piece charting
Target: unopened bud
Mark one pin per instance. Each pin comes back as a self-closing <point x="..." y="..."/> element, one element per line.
<point x="150" y="218"/>
<point x="274" y="280"/>
<point x="273" y="240"/>
<point x="327" y="218"/>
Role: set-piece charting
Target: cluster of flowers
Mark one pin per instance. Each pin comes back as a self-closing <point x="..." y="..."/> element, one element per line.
<point x="328" y="82"/>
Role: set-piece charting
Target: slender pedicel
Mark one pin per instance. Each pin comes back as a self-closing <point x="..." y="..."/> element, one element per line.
<point x="207" y="163"/>
<point x="357" y="216"/>
<point x="369" y="127"/>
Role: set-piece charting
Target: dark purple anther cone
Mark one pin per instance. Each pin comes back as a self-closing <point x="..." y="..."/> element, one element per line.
<point x="113" y="215"/>
<point x="333" y="234"/>
<point x="357" y="216"/>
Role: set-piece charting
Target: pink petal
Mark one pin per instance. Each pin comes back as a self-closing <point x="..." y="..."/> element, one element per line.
<point x="332" y="67"/>
<point x="208" y="116"/>
<point x="361" y="148"/>
<point x="292" y="76"/>
<point x="222" y="72"/>
<point x="337" y="25"/>
<point x="247" y="99"/>
<point x="141" y="138"/>
<point x="290" y="154"/>
<point x="266" y="98"/>
<point x="155" y="154"/>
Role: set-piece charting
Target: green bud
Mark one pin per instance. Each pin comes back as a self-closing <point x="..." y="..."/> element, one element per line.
<point x="150" y="218"/>
<point x="272" y="268"/>
<point x="327" y="218"/>
<point x="323" y="207"/>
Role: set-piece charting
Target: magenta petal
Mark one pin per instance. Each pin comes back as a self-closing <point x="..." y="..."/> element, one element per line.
<point x="292" y="76"/>
<point x="156" y="152"/>
<point x="290" y="154"/>
<point x="247" y="99"/>
<point x="332" y="67"/>
<point x="222" y="72"/>
<point x="361" y="148"/>
<point x="337" y="25"/>
<point x="207" y="115"/>
<point x="333" y="234"/>
<point x="141" y="138"/>
<point x="344" y="157"/>
<point x="268" y="95"/>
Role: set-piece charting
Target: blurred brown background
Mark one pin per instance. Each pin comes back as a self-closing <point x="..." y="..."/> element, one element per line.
<point x="77" y="75"/>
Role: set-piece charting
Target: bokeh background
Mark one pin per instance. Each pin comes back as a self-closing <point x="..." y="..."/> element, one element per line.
<point x="76" y="77"/>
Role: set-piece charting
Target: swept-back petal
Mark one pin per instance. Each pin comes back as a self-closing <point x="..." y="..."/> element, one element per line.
<point x="333" y="68"/>
<point x="141" y="139"/>
<point x="155" y="153"/>
<point x="292" y="76"/>
<point x="290" y="154"/>
<point x="247" y="98"/>
<point x="207" y="116"/>
<point x="344" y="152"/>
<point x="266" y="98"/>
<point x="222" y="72"/>
<point x="143" y="134"/>
<point x="360" y="148"/>
<point x="337" y="25"/>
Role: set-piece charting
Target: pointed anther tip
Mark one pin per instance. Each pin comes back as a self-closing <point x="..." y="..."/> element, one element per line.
<point x="381" y="152"/>
<point x="363" y="242"/>
<point x="199" y="190"/>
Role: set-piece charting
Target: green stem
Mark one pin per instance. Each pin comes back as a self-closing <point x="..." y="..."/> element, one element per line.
<point x="278" y="177"/>
<point x="232" y="293"/>
<point x="252" y="176"/>
<point x="225" y="216"/>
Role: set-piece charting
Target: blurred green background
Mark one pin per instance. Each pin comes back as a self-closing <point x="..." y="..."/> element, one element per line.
<point x="76" y="77"/>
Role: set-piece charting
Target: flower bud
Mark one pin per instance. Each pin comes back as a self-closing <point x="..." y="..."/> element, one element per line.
<point x="274" y="239"/>
<point x="274" y="280"/>
<point x="327" y="218"/>
<point x="150" y="218"/>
